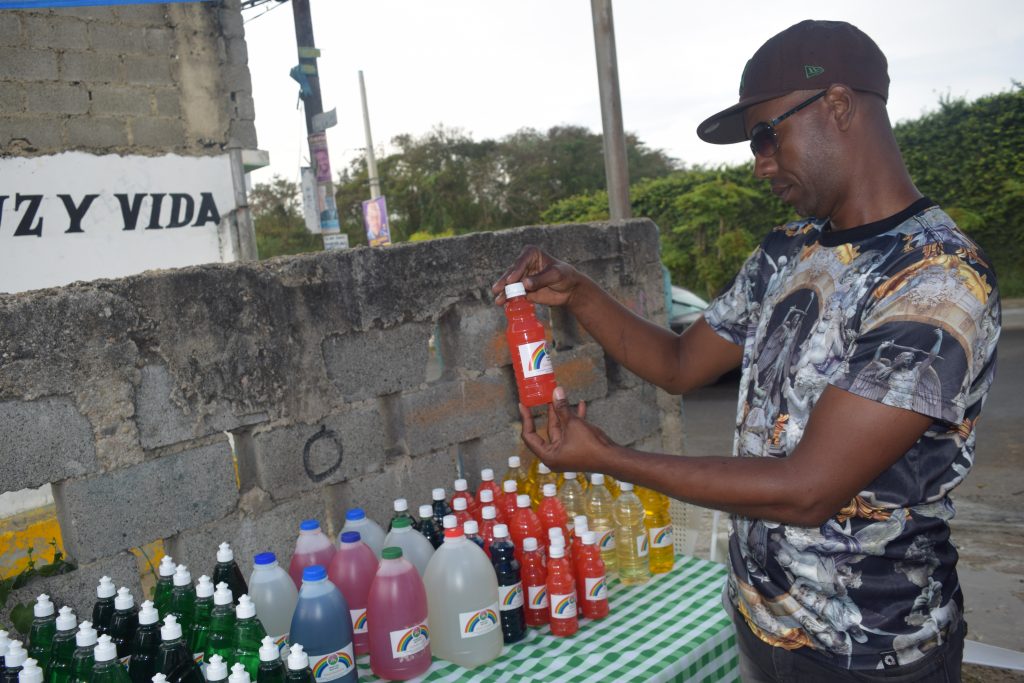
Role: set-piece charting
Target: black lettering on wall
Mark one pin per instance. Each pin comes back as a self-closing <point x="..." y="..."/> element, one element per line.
<point x="130" y="212"/>
<point x="76" y="213"/>
<point x="331" y="445"/>
<point x="154" y="212"/>
<point x="181" y="218"/>
<point x="25" y="226"/>
<point x="207" y="210"/>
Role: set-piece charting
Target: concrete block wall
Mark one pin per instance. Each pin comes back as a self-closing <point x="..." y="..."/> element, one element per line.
<point x="122" y="393"/>
<point x="140" y="79"/>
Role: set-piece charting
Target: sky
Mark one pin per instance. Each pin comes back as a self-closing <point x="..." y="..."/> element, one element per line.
<point x="490" y="68"/>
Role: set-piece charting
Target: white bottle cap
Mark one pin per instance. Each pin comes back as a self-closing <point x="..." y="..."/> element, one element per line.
<point x="461" y="485"/>
<point x="470" y="527"/>
<point x="5" y="642"/>
<point x="269" y="651"/>
<point x="459" y="504"/>
<point x="401" y="505"/>
<point x="223" y="595"/>
<point x="437" y="494"/>
<point x="105" y="649"/>
<point x="426" y="511"/>
<point x="245" y="609"/>
<point x="597" y="479"/>
<point x="86" y="636"/>
<point x="523" y="501"/>
<point x="543" y="469"/>
<point x="510" y="486"/>
<point x="569" y="475"/>
<point x="158" y="678"/>
<point x="16" y="655"/>
<point x="182" y="576"/>
<point x="30" y="672"/>
<point x="66" y="620"/>
<point x="43" y="606"/>
<point x="500" y="531"/>
<point x="216" y="669"/>
<point x="550" y="490"/>
<point x="556" y="532"/>
<point x="204" y="587"/>
<point x="529" y="544"/>
<point x="239" y="674"/>
<point x="167" y="566"/>
<point x="589" y="537"/>
<point x="225" y="553"/>
<point x="489" y="512"/>
<point x="556" y="551"/>
<point x="449" y="522"/>
<point x="579" y="524"/>
<point x="124" y="599"/>
<point x="486" y="496"/>
<point x="625" y="486"/>
<point x="487" y="474"/>
<point x="297" y="658"/>
<point x="515" y="289"/>
<point x="171" y="630"/>
<point x="106" y="588"/>
<point x="148" y="613"/>
<point x="514" y="461"/>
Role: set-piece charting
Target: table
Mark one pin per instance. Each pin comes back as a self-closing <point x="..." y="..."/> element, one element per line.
<point x="673" y="628"/>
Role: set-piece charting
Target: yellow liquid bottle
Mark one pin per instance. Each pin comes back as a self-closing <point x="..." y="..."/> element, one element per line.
<point x="632" y="547"/>
<point x="544" y="476"/>
<point x="612" y="486"/>
<point x="571" y="495"/>
<point x="599" y="514"/>
<point x="659" y="529"/>
<point x="516" y="472"/>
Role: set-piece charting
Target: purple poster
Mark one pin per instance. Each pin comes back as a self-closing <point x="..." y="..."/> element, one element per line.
<point x="375" y="218"/>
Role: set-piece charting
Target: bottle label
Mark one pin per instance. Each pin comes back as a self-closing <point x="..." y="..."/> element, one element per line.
<point x="359" y="620"/>
<point x="661" y="536"/>
<point x="478" y="622"/>
<point x="642" y="544"/>
<point x="282" y="642"/>
<point x="563" y="606"/>
<point x="408" y="641"/>
<point x="538" y="596"/>
<point x="510" y="597"/>
<point x="597" y="589"/>
<point x="126" y="661"/>
<point x="199" y="657"/>
<point x="333" y="665"/>
<point x="535" y="359"/>
<point x="607" y="541"/>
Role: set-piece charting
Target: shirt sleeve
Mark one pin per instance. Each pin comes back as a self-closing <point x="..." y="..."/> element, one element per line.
<point x="733" y="312"/>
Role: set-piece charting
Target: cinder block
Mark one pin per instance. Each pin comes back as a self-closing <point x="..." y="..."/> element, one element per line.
<point x="96" y="133"/>
<point x="236" y="77"/>
<point x="99" y="13"/>
<point x="581" y="371"/>
<point x="626" y="416"/>
<point x="145" y="70"/>
<point x="43" y="441"/>
<point x="91" y="67"/>
<point x="154" y="14"/>
<point x="231" y="23"/>
<point x="55" y="99"/>
<point x="57" y="31"/>
<point x="159" y="40"/>
<point x="118" y="38"/>
<point x="245" y="106"/>
<point x="237" y="51"/>
<point x="376" y="362"/>
<point x="157" y="133"/>
<point x="10" y="29"/>
<point x="240" y="132"/>
<point x="28" y="65"/>
<point x="168" y="102"/>
<point x="12" y="96"/>
<point x="447" y="413"/>
<point x="473" y="337"/>
<point x="129" y="507"/>
<point x="120" y="101"/>
<point x="490" y="450"/>
<point x="30" y="134"/>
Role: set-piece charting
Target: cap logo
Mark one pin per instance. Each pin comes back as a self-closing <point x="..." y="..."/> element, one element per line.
<point x="812" y="71"/>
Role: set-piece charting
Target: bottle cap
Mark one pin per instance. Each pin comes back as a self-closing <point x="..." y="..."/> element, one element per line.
<point x="148" y="613"/>
<point x="543" y="469"/>
<point x="30" y="672"/>
<point x="471" y="527"/>
<point x="486" y="496"/>
<point x="66" y="619"/>
<point x="426" y="511"/>
<point x="315" y="572"/>
<point x="522" y="501"/>
<point x="204" y="587"/>
<point x="158" y="678"/>
<point x="86" y="636"/>
<point x="297" y="658"/>
<point x="461" y="485"/>
<point x="459" y="504"/>
<point x="239" y="674"/>
<point x="182" y="576"/>
<point x="166" y="566"/>
<point x="5" y="642"/>
<point x="43" y="606"/>
<point x="391" y="552"/>
<point x="449" y="522"/>
<point x="589" y="538"/>
<point x="515" y="289"/>
<point x="262" y="559"/>
<point x="355" y="514"/>
<point x="223" y="595"/>
<point x="453" y="532"/>
<point x="489" y="512"/>
<point x="487" y="474"/>
<point x="225" y="553"/>
<point x="509" y="486"/>
<point x="437" y="494"/>
<point x="246" y="610"/>
<point x="216" y="669"/>
<point x="401" y="505"/>
<point x="106" y="588"/>
<point x="550" y="490"/>
<point x="556" y="551"/>
<point x="105" y="649"/>
<point x="625" y="486"/>
<point x="269" y="651"/>
<point x="579" y="524"/>
<point x="351" y="537"/>
<point x="597" y="479"/>
<point x="569" y="475"/>
<point x="124" y="599"/>
<point x="514" y="461"/>
<point x="171" y="630"/>
<point x="529" y="544"/>
<point x="309" y="525"/>
<point x="16" y="655"/>
<point x="556" y="532"/>
<point x="500" y="531"/>
<point x="401" y="523"/>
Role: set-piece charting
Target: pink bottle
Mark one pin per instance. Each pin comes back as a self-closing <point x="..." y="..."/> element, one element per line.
<point x="397" y="610"/>
<point x="352" y="571"/>
<point x="311" y="547"/>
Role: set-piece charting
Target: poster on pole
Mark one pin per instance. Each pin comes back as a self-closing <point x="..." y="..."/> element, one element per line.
<point x="310" y="210"/>
<point x="375" y="218"/>
<point x="321" y="158"/>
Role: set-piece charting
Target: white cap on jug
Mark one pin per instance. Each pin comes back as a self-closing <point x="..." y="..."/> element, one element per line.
<point x="437" y="494"/>
<point x="556" y="551"/>
<point x="459" y="504"/>
<point x="105" y="649"/>
<point x="589" y="537"/>
<point x="268" y="650"/>
<point x="486" y="496"/>
<point x="245" y="609"/>
<point x="5" y="642"/>
<point x="461" y="485"/>
<point x="510" y="486"/>
<point x="167" y="566"/>
<point x="225" y="553"/>
<point x="401" y="505"/>
<point x="204" y="587"/>
<point x="470" y="527"/>
<point x="550" y="490"/>
<point x="239" y="674"/>
<point x="223" y="595"/>
<point x="426" y="511"/>
<point x="500" y="531"/>
<point x="597" y="479"/>
<point x="158" y="678"/>
<point x="489" y="512"/>
<point x="16" y="655"/>
<point x="30" y="672"/>
<point x="66" y="620"/>
<point x="86" y="636"/>
<point x="487" y="474"/>
<point x="216" y="669"/>
<point x="523" y="501"/>
<point x="43" y="606"/>
<point x="625" y="486"/>
<point x="449" y="522"/>
<point x="297" y="657"/>
<point x="124" y="599"/>
<point x="529" y="544"/>
<point x="515" y="289"/>
<point x="543" y="469"/>
<point x="106" y="588"/>
<point x="148" y="613"/>
<point x="514" y="461"/>
<point x="182" y="576"/>
<point x="171" y="630"/>
<point x="579" y="524"/>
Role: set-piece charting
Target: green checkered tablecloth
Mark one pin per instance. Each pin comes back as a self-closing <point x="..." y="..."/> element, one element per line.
<point x="672" y="628"/>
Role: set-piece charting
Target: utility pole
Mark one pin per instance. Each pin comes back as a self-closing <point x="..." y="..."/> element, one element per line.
<point x="616" y="166"/>
<point x="371" y="158"/>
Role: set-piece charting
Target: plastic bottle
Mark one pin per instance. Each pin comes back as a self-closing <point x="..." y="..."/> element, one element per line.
<point x="591" y="581"/>
<point x="599" y="516"/>
<point x="401" y="506"/>
<point x="124" y="623"/>
<point x="471" y="529"/>
<point x="440" y="506"/>
<point x="164" y="586"/>
<point x="399" y="632"/>
<point x="370" y="532"/>
<point x="525" y="523"/>
<point x="30" y="672"/>
<point x="311" y="547"/>
<point x="183" y="600"/>
<point x="612" y="485"/>
<point x="227" y="571"/>
<point x="5" y="643"/>
<point x="63" y="646"/>
<point x="534" y="574"/>
<point x="107" y="668"/>
<point x="429" y="527"/>
<point x="515" y="472"/>
<point x="239" y="674"/>
<point x="416" y="549"/>
<point x="551" y="511"/>
<point x="579" y="527"/>
<point x="216" y="669"/>
<point x="487" y="483"/>
<point x="199" y="641"/>
<point x="489" y="519"/>
<point x="271" y="669"/>
<point x="535" y="375"/>
<point x="461" y="511"/>
<point x="462" y="491"/>
<point x="556" y="536"/>
<point x="510" y="586"/>
<point x="249" y="633"/>
<point x="352" y="571"/>
<point x="544" y="477"/>
<point x="274" y="594"/>
<point x="509" y="502"/>
<point x="42" y="631"/>
<point x="82" y="661"/>
<point x="561" y="594"/>
<point x="298" y="666"/>
<point x="145" y="645"/>
<point x="103" y="609"/>
<point x="488" y="499"/>
<point x="222" y="624"/>
<point x="462" y="596"/>
<point x="323" y="625"/>
<point x="571" y="495"/>
<point x="14" y="661"/>
<point x="632" y="544"/>
<point x="659" y="529"/>
<point x="173" y="659"/>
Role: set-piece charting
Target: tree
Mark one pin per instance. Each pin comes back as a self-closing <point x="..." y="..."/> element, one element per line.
<point x="277" y="213"/>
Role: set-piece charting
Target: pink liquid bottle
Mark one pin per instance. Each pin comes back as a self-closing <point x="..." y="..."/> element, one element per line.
<point x="352" y="569"/>
<point x="397" y="609"/>
<point x="311" y="547"/>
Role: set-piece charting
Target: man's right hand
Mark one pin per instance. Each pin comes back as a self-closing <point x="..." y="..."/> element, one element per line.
<point x="547" y="280"/>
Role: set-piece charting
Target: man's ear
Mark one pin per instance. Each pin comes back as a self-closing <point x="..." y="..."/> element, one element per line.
<point x="842" y="104"/>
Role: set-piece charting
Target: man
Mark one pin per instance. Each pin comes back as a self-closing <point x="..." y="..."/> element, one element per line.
<point x="841" y="566"/>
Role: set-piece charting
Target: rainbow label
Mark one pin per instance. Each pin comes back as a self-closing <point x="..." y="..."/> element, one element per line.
<point x="510" y="597"/>
<point x="661" y="537"/>
<point x="563" y="606"/>
<point x="535" y="359"/>
<point x="408" y="641"/>
<point x="199" y="657"/>
<point x="641" y="545"/>
<point x="359" y="620"/>
<point x="538" y="597"/>
<point x="607" y="541"/>
<point x="596" y="589"/>
<point x="478" y="622"/>
<point x="333" y="665"/>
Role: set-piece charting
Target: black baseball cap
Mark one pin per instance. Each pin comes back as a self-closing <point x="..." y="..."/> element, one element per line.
<point x="806" y="56"/>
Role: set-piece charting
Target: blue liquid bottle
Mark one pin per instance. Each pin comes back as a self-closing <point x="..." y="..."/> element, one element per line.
<point x="322" y="624"/>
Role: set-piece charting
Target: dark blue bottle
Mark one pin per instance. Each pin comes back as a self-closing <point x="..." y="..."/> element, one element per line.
<point x="430" y="528"/>
<point x="510" y="586"/>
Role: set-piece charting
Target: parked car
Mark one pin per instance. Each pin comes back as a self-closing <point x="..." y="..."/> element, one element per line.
<point x="686" y="308"/>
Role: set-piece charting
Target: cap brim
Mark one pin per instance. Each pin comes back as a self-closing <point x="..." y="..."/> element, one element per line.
<point x="726" y="127"/>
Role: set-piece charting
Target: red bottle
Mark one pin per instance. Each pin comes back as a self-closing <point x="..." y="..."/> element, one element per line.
<point x="526" y="524"/>
<point x="487" y="484"/>
<point x="462" y="491"/>
<point x="509" y="502"/>
<point x="535" y="584"/>
<point x="551" y="511"/>
<point x="556" y="536"/>
<point x="561" y="594"/>
<point x="488" y="522"/>
<point x="535" y="376"/>
<point x="487" y="500"/>
<point x="590" y="577"/>
<point x="461" y="512"/>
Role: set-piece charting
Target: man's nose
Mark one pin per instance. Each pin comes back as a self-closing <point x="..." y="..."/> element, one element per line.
<point x="765" y="167"/>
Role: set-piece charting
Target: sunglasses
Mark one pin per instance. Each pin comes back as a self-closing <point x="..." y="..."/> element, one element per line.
<point x="764" y="141"/>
